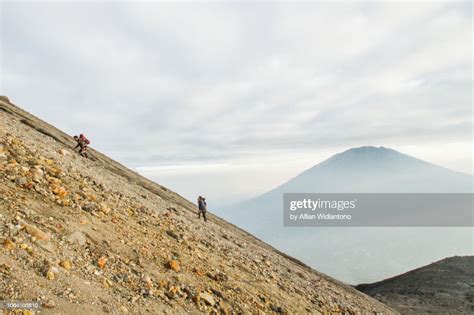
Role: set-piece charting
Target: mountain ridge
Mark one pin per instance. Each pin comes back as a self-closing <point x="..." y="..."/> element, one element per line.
<point x="340" y="159"/>
<point x="358" y="170"/>
<point x="442" y="287"/>
<point x="90" y="236"/>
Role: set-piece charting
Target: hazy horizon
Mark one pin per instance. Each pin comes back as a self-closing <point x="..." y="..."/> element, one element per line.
<point x="264" y="177"/>
<point x="230" y="100"/>
<point x="365" y="253"/>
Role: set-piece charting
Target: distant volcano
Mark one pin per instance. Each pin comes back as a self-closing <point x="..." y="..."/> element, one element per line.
<point x="358" y="170"/>
<point x="371" y="169"/>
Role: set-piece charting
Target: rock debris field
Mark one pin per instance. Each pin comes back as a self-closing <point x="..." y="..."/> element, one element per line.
<point x="88" y="236"/>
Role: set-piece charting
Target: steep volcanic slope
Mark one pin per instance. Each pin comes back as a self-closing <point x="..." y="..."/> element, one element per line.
<point x="443" y="287"/>
<point x="90" y="236"/>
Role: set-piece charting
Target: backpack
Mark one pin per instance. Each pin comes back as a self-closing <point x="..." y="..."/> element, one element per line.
<point x="85" y="140"/>
<point x="202" y="205"/>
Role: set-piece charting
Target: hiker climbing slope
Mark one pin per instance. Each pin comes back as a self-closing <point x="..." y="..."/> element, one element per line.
<point x="202" y="205"/>
<point x="82" y="143"/>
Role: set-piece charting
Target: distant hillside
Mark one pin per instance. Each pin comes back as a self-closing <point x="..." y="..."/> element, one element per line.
<point x="443" y="287"/>
<point x="89" y="236"/>
<point x="363" y="254"/>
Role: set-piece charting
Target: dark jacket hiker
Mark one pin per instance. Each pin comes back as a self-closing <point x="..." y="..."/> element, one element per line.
<point x="202" y="205"/>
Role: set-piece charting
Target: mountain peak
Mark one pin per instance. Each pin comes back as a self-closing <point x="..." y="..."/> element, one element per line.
<point x="369" y="148"/>
<point x="378" y="169"/>
<point x="370" y="156"/>
<point x="370" y="151"/>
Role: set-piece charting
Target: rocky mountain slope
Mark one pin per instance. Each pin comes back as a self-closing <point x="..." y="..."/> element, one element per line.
<point x="443" y="287"/>
<point x="90" y="236"/>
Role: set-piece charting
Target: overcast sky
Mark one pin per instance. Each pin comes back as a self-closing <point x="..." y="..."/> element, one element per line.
<point x="229" y="100"/>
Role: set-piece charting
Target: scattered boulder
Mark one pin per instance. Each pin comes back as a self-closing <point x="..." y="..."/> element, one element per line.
<point x="37" y="233"/>
<point x="224" y="308"/>
<point x="277" y="309"/>
<point x="26" y="212"/>
<point x="147" y="280"/>
<point x="89" y="207"/>
<point x="173" y="234"/>
<point x="49" y="275"/>
<point x="208" y="298"/>
<point x="46" y="245"/>
<point x="104" y="208"/>
<point x="101" y="262"/>
<point x="21" y="181"/>
<point x="60" y="192"/>
<point x="66" y="264"/>
<point x="9" y="244"/>
<point x="49" y="304"/>
<point x="217" y="293"/>
<point x="174" y="265"/>
<point x="64" y="152"/>
<point x="77" y="237"/>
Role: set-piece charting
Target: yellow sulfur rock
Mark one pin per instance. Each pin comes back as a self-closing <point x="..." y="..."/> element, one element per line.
<point x="15" y="141"/>
<point x="50" y="275"/>
<point x="49" y="161"/>
<point x="107" y="283"/>
<point x="8" y="244"/>
<point x="197" y="299"/>
<point x="60" y="191"/>
<point x="104" y="208"/>
<point x="162" y="283"/>
<point x="91" y="197"/>
<point x="66" y="264"/>
<point x="173" y="290"/>
<point x="174" y="265"/>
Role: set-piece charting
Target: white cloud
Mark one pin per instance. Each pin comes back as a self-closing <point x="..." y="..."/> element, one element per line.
<point x="178" y="83"/>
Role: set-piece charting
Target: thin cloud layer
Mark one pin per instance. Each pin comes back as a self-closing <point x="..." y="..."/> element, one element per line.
<point x="177" y="83"/>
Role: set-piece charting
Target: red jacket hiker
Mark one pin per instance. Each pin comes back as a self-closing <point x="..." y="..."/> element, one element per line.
<point x="82" y="143"/>
<point x="83" y="139"/>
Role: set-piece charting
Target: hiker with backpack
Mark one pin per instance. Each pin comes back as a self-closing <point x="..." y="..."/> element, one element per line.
<point x="202" y="206"/>
<point x="82" y="143"/>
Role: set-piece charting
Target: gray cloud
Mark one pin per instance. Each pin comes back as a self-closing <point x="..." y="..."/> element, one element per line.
<point x="162" y="83"/>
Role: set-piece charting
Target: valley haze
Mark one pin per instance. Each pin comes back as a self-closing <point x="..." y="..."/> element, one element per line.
<point x="353" y="254"/>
